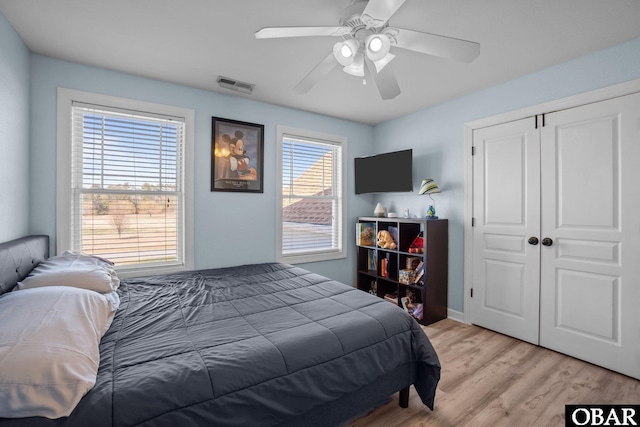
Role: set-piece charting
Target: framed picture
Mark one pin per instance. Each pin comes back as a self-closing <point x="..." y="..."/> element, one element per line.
<point x="237" y="156"/>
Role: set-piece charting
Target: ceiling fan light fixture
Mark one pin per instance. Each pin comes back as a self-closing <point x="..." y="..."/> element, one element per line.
<point x="356" y="68"/>
<point x="345" y="51"/>
<point x="377" y="46"/>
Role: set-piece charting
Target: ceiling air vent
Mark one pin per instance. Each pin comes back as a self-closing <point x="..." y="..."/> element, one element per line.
<point x="236" y="85"/>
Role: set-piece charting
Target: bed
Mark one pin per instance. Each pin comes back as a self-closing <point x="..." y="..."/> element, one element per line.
<point x="263" y="344"/>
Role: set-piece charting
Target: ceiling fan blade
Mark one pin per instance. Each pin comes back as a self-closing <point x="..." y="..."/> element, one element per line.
<point x="278" y="32"/>
<point x="321" y="70"/>
<point x="385" y="80"/>
<point x="433" y="44"/>
<point x="378" y="12"/>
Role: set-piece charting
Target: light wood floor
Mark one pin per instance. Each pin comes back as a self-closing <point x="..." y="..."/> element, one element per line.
<point x="489" y="379"/>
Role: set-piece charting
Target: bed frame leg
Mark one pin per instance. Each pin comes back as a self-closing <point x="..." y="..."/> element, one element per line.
<point x="404" y="398"/>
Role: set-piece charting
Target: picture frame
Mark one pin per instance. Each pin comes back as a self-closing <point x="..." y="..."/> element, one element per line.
<point x="237" y="156"/>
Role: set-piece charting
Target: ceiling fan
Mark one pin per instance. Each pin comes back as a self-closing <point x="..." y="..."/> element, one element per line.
<point x="367" y="39"/>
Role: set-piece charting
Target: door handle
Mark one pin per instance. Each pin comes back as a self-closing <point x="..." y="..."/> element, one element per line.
<point x="533" y="241"/>
<point x="547" y="241"/>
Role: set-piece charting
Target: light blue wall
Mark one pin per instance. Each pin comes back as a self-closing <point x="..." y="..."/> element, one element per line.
<point x="230" y="228"/>
<point x="14" y="134"/>
<point x="436" y="135"/>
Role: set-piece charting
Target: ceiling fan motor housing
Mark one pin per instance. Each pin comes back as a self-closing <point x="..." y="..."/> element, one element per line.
<point x="352" y="18"/>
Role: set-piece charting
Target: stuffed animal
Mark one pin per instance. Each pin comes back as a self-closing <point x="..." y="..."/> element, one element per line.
<point x="385" y="241"/>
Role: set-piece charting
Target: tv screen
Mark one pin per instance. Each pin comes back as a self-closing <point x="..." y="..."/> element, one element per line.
<point x="384" y="173"/>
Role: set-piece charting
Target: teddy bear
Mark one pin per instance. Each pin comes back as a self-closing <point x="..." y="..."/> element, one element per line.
<point x="385" y="241"/>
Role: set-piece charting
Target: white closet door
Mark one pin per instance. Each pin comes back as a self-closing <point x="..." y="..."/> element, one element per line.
<point x="506" y="273"/>
<point x="590" y="280"/>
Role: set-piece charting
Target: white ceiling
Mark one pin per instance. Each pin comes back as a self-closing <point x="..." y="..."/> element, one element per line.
<point x="191" y="42"/>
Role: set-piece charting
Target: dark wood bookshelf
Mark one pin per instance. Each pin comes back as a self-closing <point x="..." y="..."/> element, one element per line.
<point x="431" y="289"/>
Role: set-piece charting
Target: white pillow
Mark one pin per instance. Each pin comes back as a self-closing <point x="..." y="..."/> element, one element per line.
<point x="49" y="353"/>
<point x="73" y="269"/>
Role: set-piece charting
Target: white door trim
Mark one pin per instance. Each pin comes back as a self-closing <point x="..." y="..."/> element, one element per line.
<point x="602" y="94"/>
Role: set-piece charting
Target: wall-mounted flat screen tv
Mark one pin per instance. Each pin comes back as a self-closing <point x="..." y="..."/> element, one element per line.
<point x="384" y="173"/>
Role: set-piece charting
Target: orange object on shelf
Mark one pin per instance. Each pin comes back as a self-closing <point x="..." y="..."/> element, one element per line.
<point x="384" y="272"/>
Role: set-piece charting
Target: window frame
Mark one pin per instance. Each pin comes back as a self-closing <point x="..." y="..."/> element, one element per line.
<point x="65" y="99"/>
<point x="320" y="137"/>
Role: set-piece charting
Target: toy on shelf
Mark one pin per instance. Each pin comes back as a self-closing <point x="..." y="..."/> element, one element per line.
<point x="385" y="241"/>
<point x="417" y="246"/>
<point x="407" y="277"/>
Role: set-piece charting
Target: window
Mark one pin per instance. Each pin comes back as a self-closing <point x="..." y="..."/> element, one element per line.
<point x="123" y="190"/>
<point x="311" y="208"/>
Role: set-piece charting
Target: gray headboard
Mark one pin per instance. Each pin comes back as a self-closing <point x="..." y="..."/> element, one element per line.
<point x="18" y="257"/>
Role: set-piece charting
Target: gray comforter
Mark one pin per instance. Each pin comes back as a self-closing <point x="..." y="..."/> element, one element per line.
<point x="255" y="345"/>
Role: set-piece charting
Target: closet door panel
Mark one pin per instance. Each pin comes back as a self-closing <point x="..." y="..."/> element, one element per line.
<point x="587" y="168"/>
<point x="507" y="213"/>
<point x="587" y="303"/>
<point x="590" y="166"/>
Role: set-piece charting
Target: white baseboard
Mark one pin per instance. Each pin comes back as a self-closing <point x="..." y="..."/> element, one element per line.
<point x="458" y="316"/>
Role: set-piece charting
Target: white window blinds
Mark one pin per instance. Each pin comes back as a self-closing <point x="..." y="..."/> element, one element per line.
<point x="127" y="190"/>
<point x="312" y="199"/>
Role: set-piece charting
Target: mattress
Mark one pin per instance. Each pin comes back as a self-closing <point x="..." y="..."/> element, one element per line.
<point x="264" y="344"/>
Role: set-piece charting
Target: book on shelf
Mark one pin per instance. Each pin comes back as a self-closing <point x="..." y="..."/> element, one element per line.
<point x="384" y="266"/>
<point x="419" y="273"/>
<point x="371" y="260"/>
<point x="393" y="231"/>
<point x="406" y="304"/>
<point x="417" y="311"/>
<point x="365" y="233"/>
